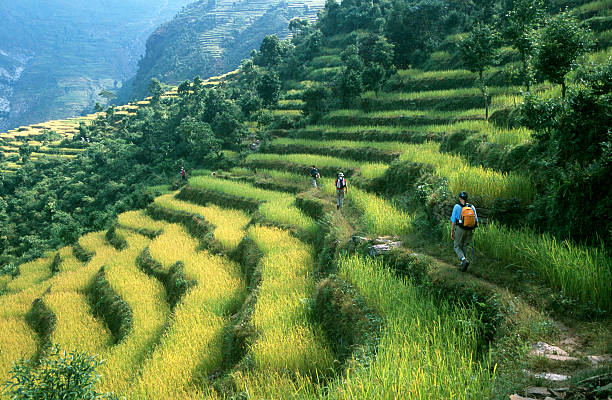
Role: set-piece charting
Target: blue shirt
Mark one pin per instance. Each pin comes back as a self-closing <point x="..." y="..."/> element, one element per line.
<point x="456" y="215"/>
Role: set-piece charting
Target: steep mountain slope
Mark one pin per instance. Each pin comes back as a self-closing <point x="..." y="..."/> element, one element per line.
<point x="211" y="37"/>
<point x="56" y="56"/>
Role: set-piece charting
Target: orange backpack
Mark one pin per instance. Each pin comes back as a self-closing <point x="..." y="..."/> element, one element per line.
<point x="468" y="217"/>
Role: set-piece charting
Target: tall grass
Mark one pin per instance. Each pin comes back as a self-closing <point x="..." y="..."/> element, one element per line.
<point x="307" y="160"/>
<point x="69" y="261"/>
<point x="484" y="184"/>
<point x="579" y="272"/>
<point x="426" y="350"/>
<point x="191" y="348"/>
<point x="229" y="224"/>
<point x="75" y="326"/>
<point x="288" y="343"/>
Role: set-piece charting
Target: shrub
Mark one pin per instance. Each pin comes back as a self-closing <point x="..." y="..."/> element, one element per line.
<point x="60" y="376"/>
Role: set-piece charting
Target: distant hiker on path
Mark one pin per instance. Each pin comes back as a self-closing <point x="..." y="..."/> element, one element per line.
<point x="314" y="174"/>
<point x="463" y="222"/>
<point x="183" y="174"/>
<point x="340" y="190"/>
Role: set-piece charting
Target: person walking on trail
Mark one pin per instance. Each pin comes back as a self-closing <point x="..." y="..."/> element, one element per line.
<point x="463" y="222"/>
<point x="341" y="189"/>
<point x="183" y="174"/>
<point x="314" y="174"/>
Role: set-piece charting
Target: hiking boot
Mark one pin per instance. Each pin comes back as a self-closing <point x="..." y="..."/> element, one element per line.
<point x="464" y="265"/>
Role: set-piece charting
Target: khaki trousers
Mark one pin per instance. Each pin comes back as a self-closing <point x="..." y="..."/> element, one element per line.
<point x="463" y="238"/>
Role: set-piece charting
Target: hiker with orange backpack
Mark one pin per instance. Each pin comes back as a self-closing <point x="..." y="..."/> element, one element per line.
<point x="341" y="189"/>
<point x="463" y="222"/>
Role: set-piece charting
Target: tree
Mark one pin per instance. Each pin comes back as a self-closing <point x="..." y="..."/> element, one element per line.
<point x="25" y="151"/>
<point x="478" y="51"/>
<point x="574" y="143"/>
<point x="108" y="95"/>
<point x="270" y="51"/>
<point x="350" y="81"/>
<point x="155" y="90"/>
<point x="518" y="28"/>
<point x="316" y="101"/>
<point x="561" y="42"/>
<point x="199" y="137"/>
<point x="61" y="376"/>
<point x="377" y="56"/>
<point x="268" y="88"/>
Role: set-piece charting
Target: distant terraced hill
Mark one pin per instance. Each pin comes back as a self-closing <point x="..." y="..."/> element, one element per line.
<point x="212" y="37"/>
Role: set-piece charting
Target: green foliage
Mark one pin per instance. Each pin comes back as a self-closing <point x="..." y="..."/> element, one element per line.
<point x="268" y="88"/>
<point x="317" y="101"/>
<point x="574" y="146"/>
<point x="61" y="376"/>
<point x="519" y="26"/>
<point x="478" y="51"/>
<point x="560" y="43"/>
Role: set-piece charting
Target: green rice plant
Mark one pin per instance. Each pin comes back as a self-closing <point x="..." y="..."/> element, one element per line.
<point x="373" y="170"/>
<point x="326" y="61"/>
<point x="349" y="117"/>
<point x="601" y="7"/>
<point x="292" y="94"/>
<point x="483" y="184"/>
<point x="307" y="160"/>
<point x="379" y="216"/>
<point x="579" y="272"/>
<point x="427" y="349"/>
<point x="501" y="135"/>
<point x="323" y="74"/>
<point x="75" y="326"/>
<point x="192" y="345"/>
<point x="289" y="105"/>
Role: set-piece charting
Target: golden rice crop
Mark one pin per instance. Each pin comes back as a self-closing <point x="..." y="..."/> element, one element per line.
<point x="147" y="298"/>
<point x="30" y="274"/>
<point x="75" y="326"/>
<point x="229" y="223"/>
<point x="192" y="346"/>
<point x="288" y="341"/>
<point x="139" y="220"/>
<point x="279" y="208"/>
<point x="483" y="183"/>
<point x="17" y="340"/>
<point x="69" y="261"/>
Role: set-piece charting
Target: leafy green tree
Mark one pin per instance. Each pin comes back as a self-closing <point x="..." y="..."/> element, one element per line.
<point x="61" y="376"/>
<point x="478" y="51"/>
<point x="574" y="157"/>
<point x="155" y="90"/>
<point x="519" y="27"/>
<point x="25" y="150"/>
<point x="270" y="51"/>
<point x="560" y="43"/>
<point x="349" y="83"/>
<point x="268" y="88"/>
<point x="199" y="137"/>
<point x="316" y="101"/>
<point x="377" y="56"/>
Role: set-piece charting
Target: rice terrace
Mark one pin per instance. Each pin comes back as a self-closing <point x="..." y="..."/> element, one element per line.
<point x="403" y="199"/>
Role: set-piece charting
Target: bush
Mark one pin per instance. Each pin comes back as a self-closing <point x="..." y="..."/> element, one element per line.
<point x="61" y="375"/>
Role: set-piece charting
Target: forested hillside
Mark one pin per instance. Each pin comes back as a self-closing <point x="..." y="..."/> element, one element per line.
<point x="211" y="37"/>
<point x="57" y="56"/>
<point x="244" y="281"/>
